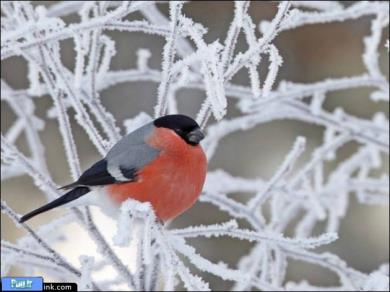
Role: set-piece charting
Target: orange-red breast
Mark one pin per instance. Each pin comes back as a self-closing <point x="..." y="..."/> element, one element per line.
<point x="161" y="163"/>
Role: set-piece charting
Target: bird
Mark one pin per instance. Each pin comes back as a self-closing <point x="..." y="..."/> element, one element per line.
<point x="161" y="163"/>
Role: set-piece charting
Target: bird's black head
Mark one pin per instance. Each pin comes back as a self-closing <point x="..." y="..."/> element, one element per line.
<point x="184" y="126"/>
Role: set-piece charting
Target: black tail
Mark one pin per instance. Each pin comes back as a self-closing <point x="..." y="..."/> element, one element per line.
<point x="68" y="197"/>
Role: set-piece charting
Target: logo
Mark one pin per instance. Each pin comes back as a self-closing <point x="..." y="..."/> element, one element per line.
<point x="22" y="284"/>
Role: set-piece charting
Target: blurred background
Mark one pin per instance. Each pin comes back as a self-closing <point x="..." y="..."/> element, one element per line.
<point x="310" y="53"/>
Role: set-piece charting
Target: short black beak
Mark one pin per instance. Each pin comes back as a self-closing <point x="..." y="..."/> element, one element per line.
<point x="195" y="136"/>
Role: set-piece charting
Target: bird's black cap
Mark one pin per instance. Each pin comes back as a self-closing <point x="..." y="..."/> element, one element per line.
<point x="184" y="126"/>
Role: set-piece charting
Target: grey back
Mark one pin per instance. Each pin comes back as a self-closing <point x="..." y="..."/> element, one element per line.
<point x="132" y="152"/>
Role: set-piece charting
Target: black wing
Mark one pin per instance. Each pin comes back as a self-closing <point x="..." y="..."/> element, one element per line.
<point x="98" y="175"/>
<point x="122" y="162"/>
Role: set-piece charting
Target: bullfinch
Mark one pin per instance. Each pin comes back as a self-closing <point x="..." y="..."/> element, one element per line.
<point x="161" y="163"/>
